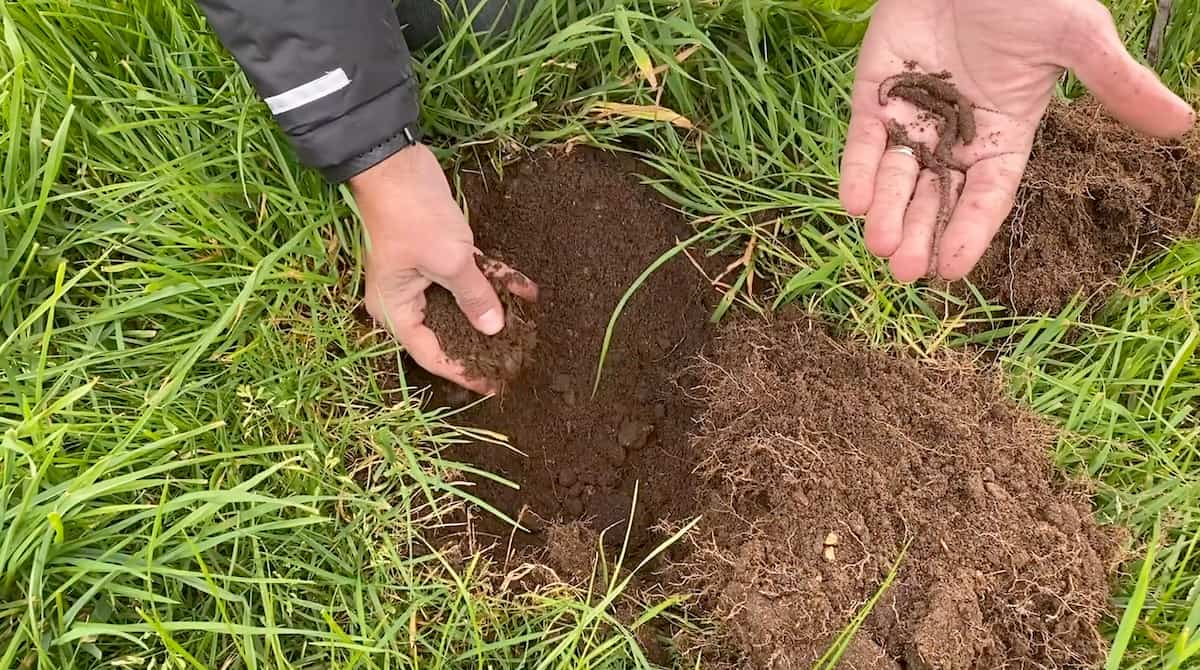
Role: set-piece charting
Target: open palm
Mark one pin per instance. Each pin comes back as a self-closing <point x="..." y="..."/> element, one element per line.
<point x="1006" y="58"/>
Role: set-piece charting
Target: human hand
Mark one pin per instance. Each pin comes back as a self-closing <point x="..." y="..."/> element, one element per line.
<point x="1005" y="57"/>
<point x="417" y="236"/>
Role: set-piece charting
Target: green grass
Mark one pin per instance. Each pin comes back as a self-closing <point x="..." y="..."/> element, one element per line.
<point x="198" y="468"/>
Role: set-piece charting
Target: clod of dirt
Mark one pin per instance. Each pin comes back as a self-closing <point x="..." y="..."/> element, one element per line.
<point x="499" y="357"/>
<point x="824" y="459"/>
<point x="571" y="549"/>
<point x="583" y="227"/>
<point x="1095" y="197"/>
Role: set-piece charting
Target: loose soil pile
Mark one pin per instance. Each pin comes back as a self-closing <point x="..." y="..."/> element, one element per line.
<point x="583" y="227"/>
<point x="1095" y="196"/>
<point x="821" y="460"/>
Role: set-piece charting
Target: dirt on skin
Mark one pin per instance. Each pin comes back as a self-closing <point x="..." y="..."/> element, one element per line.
<point x="822" y="460"/>
<point x="582" y="226"/>
<point x="500" y="357"/>
<point x="1095" y="197"/>
<point x="940" y="101"/>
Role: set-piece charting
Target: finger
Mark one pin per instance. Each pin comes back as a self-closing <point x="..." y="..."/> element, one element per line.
<point x="475" y="297"/>
<point x="912" y="258"/>
<point x="985" y="203"/>
<point x="423" y="346"/>
<point x="865" y="143"/>
<point x="515" y="281"/>
<point x="1130" y="91"/>
<point x="894" y="186"/>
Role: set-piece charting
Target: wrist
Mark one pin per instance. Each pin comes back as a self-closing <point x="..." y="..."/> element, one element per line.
<point x="404" y="166"/>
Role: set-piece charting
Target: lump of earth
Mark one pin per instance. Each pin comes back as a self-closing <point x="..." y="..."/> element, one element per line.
<point x="1095" y="197"/>
<point x="808" y="444"/>
<point x="499" y="357"/>
<point x="542" y="214"/>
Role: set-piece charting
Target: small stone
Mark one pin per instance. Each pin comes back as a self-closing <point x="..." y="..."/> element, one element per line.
<point x="988" y="473"/>
<point x="660" y="411"/>
<point x="567" y="477"/>
<point x="832" y="539"/>
<point x="830" y="554"/>
<point x="568" y="397"/>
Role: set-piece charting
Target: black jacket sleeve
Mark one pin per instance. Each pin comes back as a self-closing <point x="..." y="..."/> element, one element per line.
<point x="336" y="74"/>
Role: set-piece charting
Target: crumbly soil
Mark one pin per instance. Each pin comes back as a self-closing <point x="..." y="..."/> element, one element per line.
<point x="1095" y="197"/>
<point x="821" y="460"/>
<point x="500" y="357"/>
<point x="939" y="101"/>
<point x="583" y="227"/>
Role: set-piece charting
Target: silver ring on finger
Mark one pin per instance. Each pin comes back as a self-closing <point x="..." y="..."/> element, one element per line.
<point x="903" y="149"/>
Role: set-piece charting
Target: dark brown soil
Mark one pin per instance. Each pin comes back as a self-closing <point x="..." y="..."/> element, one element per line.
<point x="822" y="460"/>
<point x="939" y="100"/>
<point x="500" y="357"/>
<point x="1095" y="197"/>
<point x="583" y="227"/>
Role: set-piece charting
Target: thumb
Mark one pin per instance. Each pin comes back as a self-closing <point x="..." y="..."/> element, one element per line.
<point x="1128" y="90"/>
<point x="476" y="298"/>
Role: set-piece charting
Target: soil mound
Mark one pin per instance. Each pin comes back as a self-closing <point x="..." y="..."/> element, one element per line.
<point x="822" y="460"/>
<point x="583" y="227"/>
<point x="1095" y="196"/>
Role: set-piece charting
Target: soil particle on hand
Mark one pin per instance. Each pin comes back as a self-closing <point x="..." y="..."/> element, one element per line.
<point x="888" y="452"/>
<point x="583" y="260"/>
<point x="1095" y="197"/>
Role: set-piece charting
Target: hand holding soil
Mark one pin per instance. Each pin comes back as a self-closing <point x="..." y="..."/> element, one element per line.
<point x="416" y="237"/>
<point x="964" y="85"/>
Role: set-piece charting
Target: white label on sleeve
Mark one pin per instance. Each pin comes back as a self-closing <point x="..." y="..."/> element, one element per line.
<point x="303" y="94"/>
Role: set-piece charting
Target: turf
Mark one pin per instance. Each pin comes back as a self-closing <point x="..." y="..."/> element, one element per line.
<point x="197" y="468"/>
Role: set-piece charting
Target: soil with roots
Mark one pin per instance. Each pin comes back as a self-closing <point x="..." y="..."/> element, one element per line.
<point x="1096" y="197"/>
<point x="825" y="463"/>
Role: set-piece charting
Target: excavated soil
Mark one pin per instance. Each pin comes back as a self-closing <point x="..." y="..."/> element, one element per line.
<point x="822" y="460"/>
<point x="583" y="227"/>
<point x="1095" y="197"/>
<point x="501" y="357"/>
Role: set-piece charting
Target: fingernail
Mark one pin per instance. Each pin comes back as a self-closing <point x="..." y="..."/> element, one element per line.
<point x="491" y="322"/>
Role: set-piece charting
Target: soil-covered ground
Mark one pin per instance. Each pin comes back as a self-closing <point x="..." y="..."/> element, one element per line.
<point x="814" y="462"/>
<point x="583" y="227"/>
<point x="822" y="460"/>
<point x="1096" y="195"/>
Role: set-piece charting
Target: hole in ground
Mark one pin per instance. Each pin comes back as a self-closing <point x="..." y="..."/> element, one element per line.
<point x="583" y="227"/>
